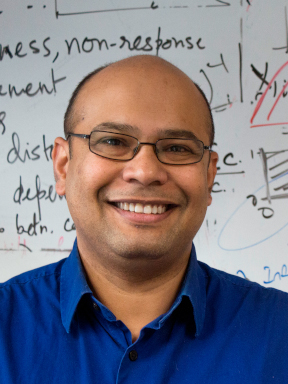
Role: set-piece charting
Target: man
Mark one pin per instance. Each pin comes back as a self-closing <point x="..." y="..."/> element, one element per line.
<point x="132" y="304"/>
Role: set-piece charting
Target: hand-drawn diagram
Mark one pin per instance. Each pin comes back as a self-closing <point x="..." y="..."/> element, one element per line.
<point x="62" y="8"/>
<point x="267" y="215"/>
<point x="279" y="160"/>
<point x="271" y="92"/>
<point x="264" y="104"/>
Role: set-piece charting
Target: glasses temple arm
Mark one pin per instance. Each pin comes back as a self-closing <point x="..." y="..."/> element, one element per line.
<point x="78" y="135"/>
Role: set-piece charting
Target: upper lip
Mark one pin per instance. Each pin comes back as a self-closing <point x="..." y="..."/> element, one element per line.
<point x="141" y="201"/>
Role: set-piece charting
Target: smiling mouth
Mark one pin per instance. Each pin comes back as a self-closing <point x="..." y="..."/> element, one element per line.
<point x="148" y="209"/>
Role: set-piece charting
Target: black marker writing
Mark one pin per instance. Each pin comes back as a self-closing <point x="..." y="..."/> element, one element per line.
<point x="137" y="44"/>
<point x="15" y="153"/>
<point x="267" y="212"/>
<point x="71" y="226"/>
<point x="31" y="230"/>
<point x="22" y="51"/>
<point x="2" y="117"/>
<point x="174" y="43"/>
<point x="87" y="45"/>
<point x="31" y="89"/>
<point x="20" y="194"/>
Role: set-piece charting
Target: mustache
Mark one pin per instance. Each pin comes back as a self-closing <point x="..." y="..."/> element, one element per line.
<point x="144" y="194"/>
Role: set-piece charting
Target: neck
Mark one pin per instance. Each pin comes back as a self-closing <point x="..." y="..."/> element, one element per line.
<point x="134" y="296"/>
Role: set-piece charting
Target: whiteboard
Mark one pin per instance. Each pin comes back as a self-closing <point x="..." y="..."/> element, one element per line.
<point x="236" y="50"/>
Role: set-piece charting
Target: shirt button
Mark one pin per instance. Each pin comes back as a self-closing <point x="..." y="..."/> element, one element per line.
<point x="95" y="306"/>
<point x="133" y="355"/>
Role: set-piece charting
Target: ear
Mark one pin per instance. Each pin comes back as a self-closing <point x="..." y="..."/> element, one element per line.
<point x="212" y="170"/>
<point x="60" y="157"/>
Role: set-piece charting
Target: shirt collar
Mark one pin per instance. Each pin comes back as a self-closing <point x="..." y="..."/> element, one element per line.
<point x="194" y="287"/>
<point x="73" y="286"/>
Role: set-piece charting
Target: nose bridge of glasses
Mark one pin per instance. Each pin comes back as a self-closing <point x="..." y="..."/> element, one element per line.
<point x="140" y="144"/>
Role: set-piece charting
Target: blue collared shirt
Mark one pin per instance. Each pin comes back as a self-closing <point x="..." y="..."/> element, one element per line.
<point x="220" y="329"/>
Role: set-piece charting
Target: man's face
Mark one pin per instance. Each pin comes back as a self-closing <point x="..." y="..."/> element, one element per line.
<point x="151" y="103"/>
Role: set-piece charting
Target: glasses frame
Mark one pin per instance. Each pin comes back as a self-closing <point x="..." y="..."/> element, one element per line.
<point x="136" y="150"/>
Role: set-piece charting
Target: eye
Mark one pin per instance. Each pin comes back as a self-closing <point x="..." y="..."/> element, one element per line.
<point x="177" y="148"/>
<point x="112" y="142"/>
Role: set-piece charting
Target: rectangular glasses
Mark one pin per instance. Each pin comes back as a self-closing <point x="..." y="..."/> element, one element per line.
<point x="122" y="147"/>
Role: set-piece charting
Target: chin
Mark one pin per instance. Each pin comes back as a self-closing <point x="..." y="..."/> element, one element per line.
<point x="141" y="252"/>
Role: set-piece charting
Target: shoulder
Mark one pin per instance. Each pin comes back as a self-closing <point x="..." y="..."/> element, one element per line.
<point x="39" y="280"/>
<point x="230" y="290"/>
<point x="215" y="277"/>
<point x="30" y="299"/>
<point x="30" y="312"/>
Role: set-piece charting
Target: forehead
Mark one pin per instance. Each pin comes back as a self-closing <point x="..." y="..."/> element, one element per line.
<point x="152" y="96"/>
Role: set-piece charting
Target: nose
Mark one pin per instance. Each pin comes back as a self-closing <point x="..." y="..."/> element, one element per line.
<point x="145" y="168"/>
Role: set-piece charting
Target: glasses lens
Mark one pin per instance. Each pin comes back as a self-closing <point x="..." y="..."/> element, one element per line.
<point x="179" y="151"/>
<point x="113" y="145"/>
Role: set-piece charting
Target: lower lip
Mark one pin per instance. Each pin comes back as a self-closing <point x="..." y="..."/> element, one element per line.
<point x="143" y="218"/>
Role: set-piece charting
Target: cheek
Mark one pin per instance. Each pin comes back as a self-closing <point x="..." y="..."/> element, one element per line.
<point x="87" y="177"/>
<point x="193" y="183"/>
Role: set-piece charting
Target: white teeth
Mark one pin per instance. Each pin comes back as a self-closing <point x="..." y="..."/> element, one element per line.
<point x="154" y="209"/>
<point x="141" y="208"/>
<point x="147" y="209"/>
<point x="131" y="207"/>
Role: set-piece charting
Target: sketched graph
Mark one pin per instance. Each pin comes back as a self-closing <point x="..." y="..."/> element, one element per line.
<point x="265" y="211"/>
<point x="275" y="168"/>
<point x="68" y="8"/>
<point x="272" y="101"/>
<point x="272" y="92"/>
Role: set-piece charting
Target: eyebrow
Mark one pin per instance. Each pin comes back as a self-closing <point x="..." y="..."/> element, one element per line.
<point x="124" y="128"/>
<point x="132" y="129"/>
<point x="179" y="133"/>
